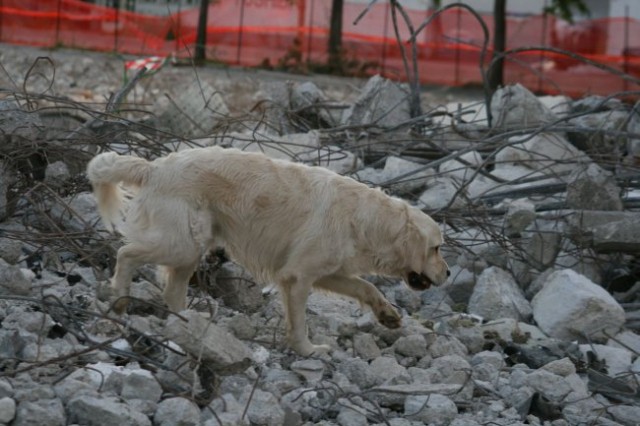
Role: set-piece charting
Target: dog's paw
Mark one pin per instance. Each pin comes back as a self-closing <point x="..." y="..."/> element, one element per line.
<point x="309" y="349"/>
<point x="119" y="307"/>
<point x="389" y="317"/>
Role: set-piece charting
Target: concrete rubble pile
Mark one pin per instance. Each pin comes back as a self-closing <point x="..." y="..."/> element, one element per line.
<point x="538" y="325"/>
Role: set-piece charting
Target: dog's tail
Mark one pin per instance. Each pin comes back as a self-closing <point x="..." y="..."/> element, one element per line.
<point x="105" y="171"/>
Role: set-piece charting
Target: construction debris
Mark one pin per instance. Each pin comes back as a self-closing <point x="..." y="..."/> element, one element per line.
<point x="538" y="324"/>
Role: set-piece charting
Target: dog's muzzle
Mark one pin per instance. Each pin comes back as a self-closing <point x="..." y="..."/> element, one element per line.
<point x="418" y="281"/>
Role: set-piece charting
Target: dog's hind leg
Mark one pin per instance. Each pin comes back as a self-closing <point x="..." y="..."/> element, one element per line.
<point x="363" y="291"/>
<point x="175" y="290"/>
<point x="294" y="297"/>
<point x="129" y="258"/>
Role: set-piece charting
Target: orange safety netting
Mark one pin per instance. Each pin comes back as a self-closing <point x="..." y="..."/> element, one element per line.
<point x="259" y="32"/>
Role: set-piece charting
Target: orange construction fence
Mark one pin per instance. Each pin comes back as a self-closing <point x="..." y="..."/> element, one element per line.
<point x="260" y="32"/>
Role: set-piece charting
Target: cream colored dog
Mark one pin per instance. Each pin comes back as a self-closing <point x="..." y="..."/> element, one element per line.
<point x="298" y="226"/>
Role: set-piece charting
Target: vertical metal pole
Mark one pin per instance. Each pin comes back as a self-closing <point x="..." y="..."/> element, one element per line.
<point x="201" y="33"/>
<point x="310" y="29"/>
<point x="240" y="32"/>
<point x="177" y="33"/>
<point x="543" y="43"/>
<point x="302" y="5"/>
<point x="384" y="43"/>
<point x="458" y="23"/>
<point x="625" y="51"/>
<point x="58" y="22"/>
<point x="115" y="32"/>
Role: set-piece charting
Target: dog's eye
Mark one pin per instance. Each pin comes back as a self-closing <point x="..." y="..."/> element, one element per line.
<point x="436" y="249"/>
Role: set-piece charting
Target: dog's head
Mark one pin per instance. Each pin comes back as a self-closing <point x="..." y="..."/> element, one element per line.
<point x="425" y="265"/>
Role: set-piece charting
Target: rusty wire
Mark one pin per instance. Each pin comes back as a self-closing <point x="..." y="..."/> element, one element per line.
<point x="97" y="126"/>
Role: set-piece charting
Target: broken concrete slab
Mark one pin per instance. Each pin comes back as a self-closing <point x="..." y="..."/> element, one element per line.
<point x="604" y="231"/>
<point x="497" y="295"/>
<point x="593" y="188"/>
<point x="383" y="103"/>
<point x="203" y="339"/>
<point x="516" y="106"/>
<point x="195" y="111"/>
<point x="572" y="307"/>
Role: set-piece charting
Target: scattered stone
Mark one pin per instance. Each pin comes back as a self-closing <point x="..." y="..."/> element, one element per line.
<point x="633" y="143"/>
<point x="403" y="176"/>
<point x="547" y="153"/>
<point x="6" y="178"/>
<point x="441" y="193"/>
<point x="141" y="384"/>
<point x="382" y="102"/>
<point x="617" y="361"/>
<point x="543" y="244"/>
<point x="433" y="409"/>
<point x="195" y="111"/>
<point x="309" y="102"/>
<point x="414" y="345"/>
<point x="264" y="408"/>
<point x="497" y="295"/>
<point x="48" y="412"/>
<point x="600" y="134"/>
<point x="177" y="411"/>
<point x="242" y="327"/>
<point x="310" y="369"/>
<point x="626" y="339"/>
<point x="596" y="103"/>
<point x="28" y="320"/>
<point x="627" y="415"/>
<point x="10" y="250"/>
<point x="12" y="281"/>
<point x="620" y="236"/>
<point x="593" y="188"/>
<point x="460" y="286"/>
<point x="446" y="345"/>
<point x="365" y="346"/>
<point x="103" y="411"/>
<point x="571" y="307"/>
<point x="394" y="395"/>
<point x="148" y="294"/>
<point x="358" y="372"/>
<point x="280" y="382"/>
<point x="551" y="386"/>
<point x="515" y="106"/>
<point x="348" y="416"/>
<point x="520" y="214"/>
<point x="463" y="167"/>
<point x="233" y="284"/>
<point x="7" y="410"/>
<point x="205" y="340"/>
<point x="454" y="369"/>
<point x="562" y="367"/>
<point x="464" y="344"/>
<point x="605" y="231"/>
<point x="385" y="369"/>
<point x="78" y="213"/>
<point x="6" y="390"/>
<point x="56" y="173"/>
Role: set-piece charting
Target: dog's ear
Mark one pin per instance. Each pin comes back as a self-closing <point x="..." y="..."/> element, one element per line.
<point x="415" y="245"/>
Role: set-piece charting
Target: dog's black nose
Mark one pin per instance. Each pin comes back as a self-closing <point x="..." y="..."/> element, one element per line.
<point x="448" y="273"/>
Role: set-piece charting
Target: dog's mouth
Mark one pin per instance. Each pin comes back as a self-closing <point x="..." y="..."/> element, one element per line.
<point x="418" y="281"/>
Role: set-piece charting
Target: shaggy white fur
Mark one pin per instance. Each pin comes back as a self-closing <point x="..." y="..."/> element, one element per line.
<point x="297" y="226"/>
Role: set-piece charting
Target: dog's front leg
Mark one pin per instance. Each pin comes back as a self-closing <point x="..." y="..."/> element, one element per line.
<point x="294" y="297"/>
<point x="364" y="292"/>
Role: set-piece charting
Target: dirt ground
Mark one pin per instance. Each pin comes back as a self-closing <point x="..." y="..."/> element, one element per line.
<point x="91" y="77"/>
